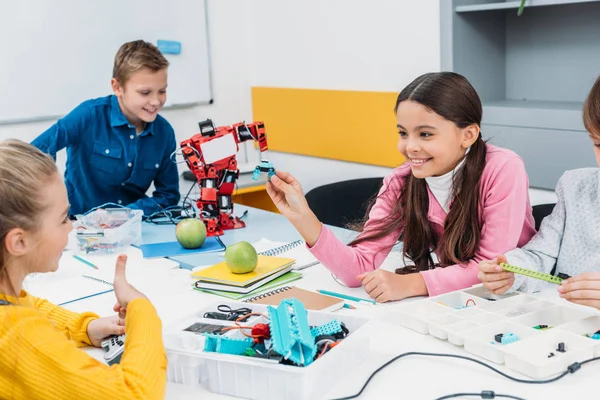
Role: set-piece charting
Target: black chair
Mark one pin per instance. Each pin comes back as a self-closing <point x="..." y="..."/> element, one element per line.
<point x="540" y="211"/>
<point x="343" y="202"/>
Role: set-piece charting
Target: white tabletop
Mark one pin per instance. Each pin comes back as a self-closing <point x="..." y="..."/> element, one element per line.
<point x="415" y="377"/>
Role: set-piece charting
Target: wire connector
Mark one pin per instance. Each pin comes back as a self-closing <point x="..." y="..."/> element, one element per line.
<point x="488" y="394"/>
<point x="574" y="367"/>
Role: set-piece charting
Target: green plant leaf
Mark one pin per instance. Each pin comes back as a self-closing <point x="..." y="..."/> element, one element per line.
<point x="521" y="7"/>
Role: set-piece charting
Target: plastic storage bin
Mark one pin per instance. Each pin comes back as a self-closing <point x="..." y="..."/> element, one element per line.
<point x="106" y="230"/>
<point x="521" y="331"/>
<point x="255" y="378"/>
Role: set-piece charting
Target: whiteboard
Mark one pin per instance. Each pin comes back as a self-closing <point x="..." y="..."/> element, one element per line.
<point x="59" y="53"/>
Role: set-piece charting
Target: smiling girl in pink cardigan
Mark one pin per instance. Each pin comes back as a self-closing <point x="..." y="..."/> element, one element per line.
<point x="456" y="195"/>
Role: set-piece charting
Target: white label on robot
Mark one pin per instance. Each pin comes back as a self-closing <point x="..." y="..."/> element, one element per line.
<point x="218" y="149"/>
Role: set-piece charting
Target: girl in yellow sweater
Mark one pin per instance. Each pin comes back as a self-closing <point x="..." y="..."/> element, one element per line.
<point x="39" y="341"/>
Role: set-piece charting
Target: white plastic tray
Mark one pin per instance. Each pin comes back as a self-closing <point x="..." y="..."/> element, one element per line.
<point x="472" y="318"/>
<point x="254" y="378"/>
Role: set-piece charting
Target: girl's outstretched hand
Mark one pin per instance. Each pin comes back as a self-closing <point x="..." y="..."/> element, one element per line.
<point x="582" y="289"/>
<point x="286" y="193"/>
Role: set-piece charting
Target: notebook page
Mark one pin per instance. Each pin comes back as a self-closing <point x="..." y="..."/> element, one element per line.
<point x="60" y="288"/>
<point x="300" y="253"/>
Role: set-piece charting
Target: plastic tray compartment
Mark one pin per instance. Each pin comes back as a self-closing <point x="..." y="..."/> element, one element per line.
<point x="456" y="332"/>
<point x="417" y="314"/>
<point x="517" y="311"/>
<point x="480" y="291"/>
<point x="254" y="378"/>
<point x="510" y="302"/>
<point x="459" y="300"/>
<point x="552" y="316"/>
<point x="586" y="326"/>
<point x="469" y="312"/>
<point x="438" y="325"/>
<point x="538" y="357"/>
<point x="481" y="341"/>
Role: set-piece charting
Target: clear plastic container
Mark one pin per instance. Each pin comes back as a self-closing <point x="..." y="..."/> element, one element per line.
<point x="106" y="230"/>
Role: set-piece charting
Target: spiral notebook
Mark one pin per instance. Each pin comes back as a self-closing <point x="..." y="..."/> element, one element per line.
<point x="311" y="300"/>
<point x="61" y="289"/>
<point x="296" y="250"/>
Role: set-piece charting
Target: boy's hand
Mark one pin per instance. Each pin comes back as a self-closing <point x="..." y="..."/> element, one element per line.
<point x="494" y="278"/>
<point x="582" y="289"/>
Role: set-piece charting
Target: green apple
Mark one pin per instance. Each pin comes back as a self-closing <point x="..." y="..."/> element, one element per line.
<point x="241" y="257"/>
<point x="191" y="233"/>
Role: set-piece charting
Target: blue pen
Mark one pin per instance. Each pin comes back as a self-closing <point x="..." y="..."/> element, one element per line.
<point x="345" y="296"/>
<point x="86" y="262"/>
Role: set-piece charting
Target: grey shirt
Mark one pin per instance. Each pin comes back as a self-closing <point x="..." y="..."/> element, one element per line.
<point x="569" y="237"/>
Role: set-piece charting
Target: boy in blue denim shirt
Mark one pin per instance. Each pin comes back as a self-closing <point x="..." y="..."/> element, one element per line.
<point x="118" y="145"/>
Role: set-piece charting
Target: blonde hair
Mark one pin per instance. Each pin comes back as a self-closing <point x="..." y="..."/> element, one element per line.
<point x="133" y="56"/>
<point x="24" y="171"/>
<point x="591" y="111"/>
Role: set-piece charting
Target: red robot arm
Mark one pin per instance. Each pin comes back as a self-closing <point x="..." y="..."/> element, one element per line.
<point x="211" y="157"/>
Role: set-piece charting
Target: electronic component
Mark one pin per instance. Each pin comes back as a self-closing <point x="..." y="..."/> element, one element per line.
<point x="200" y="327"/>
<point x="505" y="338"/>
<point x="114" y="347"/>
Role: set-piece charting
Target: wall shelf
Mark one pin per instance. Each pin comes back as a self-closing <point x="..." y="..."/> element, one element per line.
<point x="532" y="72"/>
<point x="508" y="5"/>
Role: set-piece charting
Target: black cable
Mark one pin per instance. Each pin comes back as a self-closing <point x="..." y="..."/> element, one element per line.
<point x="486" y="394"/>
<point x="570" y="369"/>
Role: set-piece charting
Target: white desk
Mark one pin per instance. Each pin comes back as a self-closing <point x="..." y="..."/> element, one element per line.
<point x="409" y="378"/>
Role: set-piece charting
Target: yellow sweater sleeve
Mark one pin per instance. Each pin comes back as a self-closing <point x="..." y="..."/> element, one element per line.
<point x="38" y="362"/>
<point x="73" y="325"/>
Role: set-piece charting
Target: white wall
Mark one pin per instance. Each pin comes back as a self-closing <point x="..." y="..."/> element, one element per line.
<point x="336" y="44"/>
<point x="344" y="45"/>
<point x="228" y="33"/>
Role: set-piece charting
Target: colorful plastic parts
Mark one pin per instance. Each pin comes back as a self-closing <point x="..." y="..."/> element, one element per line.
<point x="595" y="336"/>
<point x="265" y="166"/>
<point x="290" y="332"/>
<point x="505" y="338"/>
<point x="532" y="274"/>
<point x="542" y="327"/>
<point x="220" y="344"/>
<point x="330" y="328"/>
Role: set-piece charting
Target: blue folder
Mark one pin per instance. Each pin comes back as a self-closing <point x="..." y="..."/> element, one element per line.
<point x="171" y="249"/>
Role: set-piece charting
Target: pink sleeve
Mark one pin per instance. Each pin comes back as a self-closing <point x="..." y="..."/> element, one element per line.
<point x="346" y="262"/>
<point x="507" y="223"/>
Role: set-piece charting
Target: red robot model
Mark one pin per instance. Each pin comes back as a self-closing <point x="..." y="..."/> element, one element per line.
<point x="211" y="157"/>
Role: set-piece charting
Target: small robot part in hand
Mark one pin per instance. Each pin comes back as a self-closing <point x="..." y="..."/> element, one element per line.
<point x="264" y="166"/>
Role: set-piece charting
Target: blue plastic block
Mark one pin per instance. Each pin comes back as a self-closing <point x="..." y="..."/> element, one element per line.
<point x="290" y="332"/>
<point x="330" y="328"/>
<point x="505" y="338"/>
<point x="220" y="344"/>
